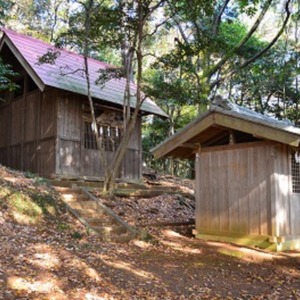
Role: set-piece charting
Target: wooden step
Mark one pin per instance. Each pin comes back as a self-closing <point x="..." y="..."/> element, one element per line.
<point x="74" y="197"/>
<point x="141" y="193"/>
<point x="101" y="220"/>
<point x="122" y="238"/>
<point x="110" y="229"/>
<point x="87" y="213"/>
<point x="87" y="204"/>
<point x="67" y="190"/>
<point x="94" y="215"/>
<point x="69" y="183"/>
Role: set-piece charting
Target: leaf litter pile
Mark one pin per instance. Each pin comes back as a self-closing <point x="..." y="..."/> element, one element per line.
<point x="175" y="208"/>
<point x="47" y="254"/>
<point x="160" y="209"/>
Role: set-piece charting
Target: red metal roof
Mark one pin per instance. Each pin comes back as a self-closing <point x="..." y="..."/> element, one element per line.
<point x="31" y="49"/>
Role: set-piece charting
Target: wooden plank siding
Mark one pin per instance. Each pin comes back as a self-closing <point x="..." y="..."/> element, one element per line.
<point x="295" y="218"/>
<point x="234" y="195"/>
<point x="47" y="123"/>
<point x="4" y="117"/>
<point x="281" y="187"/>
<point x="73" y="158"/>
<point x="44" y="133"/>
<point x="69" y="123"/>
<point x="28" y="143"/>
<point x="131" y="167"/>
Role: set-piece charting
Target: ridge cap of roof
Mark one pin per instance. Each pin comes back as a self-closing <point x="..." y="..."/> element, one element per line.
<point x="8" y="31"/>
<point x="246" y="113"/>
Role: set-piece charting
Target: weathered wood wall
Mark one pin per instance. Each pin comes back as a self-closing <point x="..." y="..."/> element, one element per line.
<point x="73" y="158"/>
<point x="234" y="189"/>
<point x="280" y="192"/>
<point x="28" y="130"/>
<point x="295" y="214"/>
<point x="132" y="162"/>
<point x="44" y="133"/>
<point x="69" y="124"/>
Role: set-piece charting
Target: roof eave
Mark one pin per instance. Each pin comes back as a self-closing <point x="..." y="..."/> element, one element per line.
<point x="181" y="137"/>
<point x="260" y="130"/>
<point x="5" y="40"/>
<point x="220" y="118"/>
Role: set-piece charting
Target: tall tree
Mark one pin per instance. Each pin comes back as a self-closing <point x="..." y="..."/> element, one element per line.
<point x="43" y="19"/>
<point x="124" y="25"/>
<point x="202" y="48"/>
<point x="136" y="32"/>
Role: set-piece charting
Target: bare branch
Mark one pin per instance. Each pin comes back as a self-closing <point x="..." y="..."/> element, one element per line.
<point x="155" y="7"/>
<point x="81" y="71"/>
<point x="157" y="26"/>
<point x="238" y="47"/>
<point x="261" y="52"/>
<point x="150" y="54"/>
<point x="218" y="17"/>
<point x="275" y="39"/>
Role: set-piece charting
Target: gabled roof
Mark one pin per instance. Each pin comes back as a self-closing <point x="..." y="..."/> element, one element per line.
<point x="216" y="124"/>
<point x="27" y="50"/>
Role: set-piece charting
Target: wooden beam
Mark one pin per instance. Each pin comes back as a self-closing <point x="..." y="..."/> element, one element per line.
<point x="232" y="140"/>
<point x="217" y="138"/>
<point x="218" y="119"/>
<point x="183" y="136"/>
<point x="251" y="127"/>
<point x="190" y="146"/>
<point x="237" y="146"/>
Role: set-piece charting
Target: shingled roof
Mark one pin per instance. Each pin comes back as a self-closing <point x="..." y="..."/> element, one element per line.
<point x="27" y="50"/>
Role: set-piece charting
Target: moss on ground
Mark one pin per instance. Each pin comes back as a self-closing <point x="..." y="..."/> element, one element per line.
<point x="27" y="199"/>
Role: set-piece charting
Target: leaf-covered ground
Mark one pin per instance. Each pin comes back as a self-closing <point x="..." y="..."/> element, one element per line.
<point x="46" y="254"/>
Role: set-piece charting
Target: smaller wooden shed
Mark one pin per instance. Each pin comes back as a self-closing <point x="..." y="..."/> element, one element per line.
<point x="247" y="176"/>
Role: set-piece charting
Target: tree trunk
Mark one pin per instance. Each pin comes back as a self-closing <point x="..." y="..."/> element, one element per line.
<point x="110" y="178"/>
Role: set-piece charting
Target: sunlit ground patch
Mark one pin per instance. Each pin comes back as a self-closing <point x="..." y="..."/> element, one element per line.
<point x="118" y="264"/>
<point x="43" y="286"/>
<point x="45" y="260"/>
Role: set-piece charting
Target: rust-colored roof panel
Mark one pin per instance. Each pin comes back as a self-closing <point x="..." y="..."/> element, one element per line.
<point x="63" y="73"/>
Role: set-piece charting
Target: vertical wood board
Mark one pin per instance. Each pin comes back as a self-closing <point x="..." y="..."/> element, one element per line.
<point x="31" y="116"/>
<point x="46" y="157"/>
<point x="16" y="124"/>
<point x="48" y="114"/>
<point x="233" y="190"/>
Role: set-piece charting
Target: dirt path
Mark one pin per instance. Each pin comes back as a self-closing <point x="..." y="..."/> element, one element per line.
<point x="47" y="254"/>
<point x="54" y="265"/>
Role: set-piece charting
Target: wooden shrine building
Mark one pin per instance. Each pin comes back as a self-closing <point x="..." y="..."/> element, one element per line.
<point x="46" y="124"/>
<point x="247" y="176"/>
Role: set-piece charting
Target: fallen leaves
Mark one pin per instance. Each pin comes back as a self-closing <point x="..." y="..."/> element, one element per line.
<point x="46" y="262"/>
<point x="160" y="209"/>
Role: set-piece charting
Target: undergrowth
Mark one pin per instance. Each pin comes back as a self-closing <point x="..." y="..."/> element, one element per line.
<point x="27" y="198"/>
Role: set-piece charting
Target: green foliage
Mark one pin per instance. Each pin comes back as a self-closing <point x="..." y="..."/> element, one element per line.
<point x="6" y="78"/>
<point x="268" y="85"/>
<point x="63" y="227"/>
<point x="76" y="235"/>
<point x="195" y="53"/>
<point x="49" y="57"/>
<point x="44" y="19"/>
<point x="103" y="34"/>
<point x="28" y="206"/>
<point x="175" y="96"/>
<point x="5" y="7"/>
